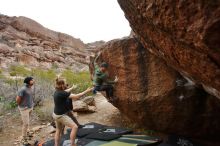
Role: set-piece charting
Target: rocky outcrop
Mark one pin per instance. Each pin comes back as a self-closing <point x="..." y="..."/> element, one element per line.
<point x="86" y="104"/>
<point x="94" y="46"/>
<point x="25" y="41"/>
<point x="185" y="34"/>
<point x="157" y="97"/>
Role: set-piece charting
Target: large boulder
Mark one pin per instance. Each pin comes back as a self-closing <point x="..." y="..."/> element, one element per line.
<point x="186" y="34"/>
<point x="156" y="96"/>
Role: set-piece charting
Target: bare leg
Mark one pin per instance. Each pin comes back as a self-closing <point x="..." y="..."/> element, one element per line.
<point x="71" y="115"/>
<point x="58" y="134"/>
<point x="73" y="134"/>
<point x="57" y="137"/>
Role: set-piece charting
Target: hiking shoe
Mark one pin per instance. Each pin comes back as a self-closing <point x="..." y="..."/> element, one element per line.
<point x="27" y="144"/>
<point x="24" y="141"/>
<point x="30" y="133"/>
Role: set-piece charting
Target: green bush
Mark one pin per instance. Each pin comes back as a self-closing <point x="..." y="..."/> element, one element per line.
<point x="48" y="75"/>
<point x="19" y="70"/>
<point x="13" y="73"/>
<point x="2" y="98"/>
<point x="81" y="79"/>
<point x="2" y="76"/>
<point x="11" y="105"/>
<point x="13" y="81"/>
<point x="54" y="66"/>
<point x="10" y="81"/>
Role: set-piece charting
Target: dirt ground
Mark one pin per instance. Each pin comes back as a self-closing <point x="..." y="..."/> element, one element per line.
<point x="105" y="114"/>
<point x="10" y="135"/>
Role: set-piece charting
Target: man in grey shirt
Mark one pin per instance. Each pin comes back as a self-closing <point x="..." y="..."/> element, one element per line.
<point x="24" y="100"/>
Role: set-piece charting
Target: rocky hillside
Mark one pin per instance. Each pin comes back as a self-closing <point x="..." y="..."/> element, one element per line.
<point x="169" y="74"/>
<point x="25" y="41"/>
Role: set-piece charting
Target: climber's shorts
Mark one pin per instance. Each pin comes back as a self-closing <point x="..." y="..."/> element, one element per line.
<point x="63" y="120"/>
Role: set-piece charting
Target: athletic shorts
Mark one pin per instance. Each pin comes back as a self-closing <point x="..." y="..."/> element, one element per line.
<point x="62" y="120"/>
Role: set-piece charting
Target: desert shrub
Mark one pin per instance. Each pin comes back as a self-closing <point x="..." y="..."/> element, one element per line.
<point x="14" y="82"/>
<point x="81" y="79"/>
<point x="13" y="73"/>
<point x="19" y="70"/>
<point x="54" y="66"/>
<point x="1" y="98"/>
<point x="8" y="90"/>
<point x="2" y="76"/>
<point x="45" y="111"/>
<point x="44" y="85"/>
<point x="43" y="88"/>
<point x="10" y="105"/>
<point x="48" y="75"/>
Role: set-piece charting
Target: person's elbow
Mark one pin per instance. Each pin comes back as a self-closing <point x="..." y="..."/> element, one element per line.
<point x="18" y="100"/>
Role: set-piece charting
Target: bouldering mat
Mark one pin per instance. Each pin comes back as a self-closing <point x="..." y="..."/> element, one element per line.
<point x="96" y="143"/>
<point x="117" y="130"/>
<point x="102" y="136"/>
<point x="83" y="141"/>
<point x="139" y="142"/>
<point x="94" y="134"/>
<point x="118" y="143"/>
<point x="89" y="128"/>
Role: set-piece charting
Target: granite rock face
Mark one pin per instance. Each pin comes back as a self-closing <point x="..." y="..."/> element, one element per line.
<point x="156" y="96"/>
<point x="186" y="34"/>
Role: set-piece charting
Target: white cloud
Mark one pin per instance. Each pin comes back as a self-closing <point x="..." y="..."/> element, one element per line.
<point x="89" y="20"/>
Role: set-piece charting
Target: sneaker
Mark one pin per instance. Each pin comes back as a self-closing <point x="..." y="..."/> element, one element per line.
<point x="24" y="141"/>
<point x="30" y="133"/>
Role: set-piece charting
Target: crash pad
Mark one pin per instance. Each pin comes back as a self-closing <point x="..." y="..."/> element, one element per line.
<point x="89" y="128"/>
<point x="103" y="136"/>
<point x="96" y="143"/>
<point x="118" y="143"/>
<point x="94" y="134"/>
<point x="117" y="130"/>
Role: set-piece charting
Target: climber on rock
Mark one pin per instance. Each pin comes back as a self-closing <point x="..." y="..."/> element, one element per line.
<point x="101" y="81"/>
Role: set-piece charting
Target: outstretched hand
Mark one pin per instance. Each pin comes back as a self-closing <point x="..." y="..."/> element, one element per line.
<point x="99" y="53"/>
<point x="89" y="89"/>
<point x="58" y="76"/>
<point x="116" y="79"/>
<point x="74" y="86"/>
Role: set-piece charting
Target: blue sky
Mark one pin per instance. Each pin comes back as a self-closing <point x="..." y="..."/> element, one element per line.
<point x="89" y="20"/>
